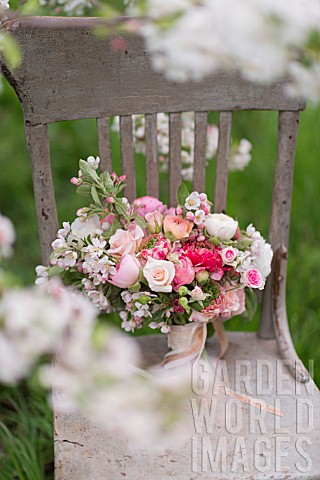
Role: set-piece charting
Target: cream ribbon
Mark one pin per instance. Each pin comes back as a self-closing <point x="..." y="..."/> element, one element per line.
<point x="186" y="343"/>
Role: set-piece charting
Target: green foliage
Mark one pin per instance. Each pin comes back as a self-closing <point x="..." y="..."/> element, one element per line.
<point x="182" y="194"/>
<point x="26" y="437"/>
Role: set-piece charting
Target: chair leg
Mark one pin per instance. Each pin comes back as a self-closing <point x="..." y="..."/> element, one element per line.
<point x="280" y="319"/>
<point x="39" y="154"/>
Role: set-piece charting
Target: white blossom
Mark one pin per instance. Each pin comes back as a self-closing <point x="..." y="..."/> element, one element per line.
<point x="7" y="236"/>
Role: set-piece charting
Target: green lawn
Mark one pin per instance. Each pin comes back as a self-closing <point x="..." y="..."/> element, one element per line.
<point x="24" y="409"/>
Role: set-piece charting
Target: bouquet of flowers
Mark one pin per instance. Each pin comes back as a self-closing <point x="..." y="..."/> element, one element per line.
<point x="165" y="268"/>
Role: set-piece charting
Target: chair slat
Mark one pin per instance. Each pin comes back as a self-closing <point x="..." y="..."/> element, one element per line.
<point x="152" y="155"/>
<point x="103" y="125"/>
<point x="200" y="148"/>
<point x="57" y="91"/>
<point x="39" y="154"/>
<point x="280" y="212"/>
<point x="174" y="155"/>
<point x="127" y="155"/>
<point x="221" y="184"/>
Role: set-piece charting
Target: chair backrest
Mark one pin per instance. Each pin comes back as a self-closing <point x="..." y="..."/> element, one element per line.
<point x="68" y="73"/>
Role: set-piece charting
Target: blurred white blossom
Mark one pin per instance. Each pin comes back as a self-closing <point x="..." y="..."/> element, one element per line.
<point x="264" y="39"/>
<point x="240" y="155"/>
<point x="70" y="7"/>
<point x="241" y="152"/>
<point x="7" y="236"/>
<point x="4" y="5"/>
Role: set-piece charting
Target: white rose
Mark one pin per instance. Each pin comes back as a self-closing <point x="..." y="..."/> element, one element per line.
<point x="83" y="228"/>
<point x="159" y="274"/>
<point x="262" y="262"/>
<point x="221" y="226"/>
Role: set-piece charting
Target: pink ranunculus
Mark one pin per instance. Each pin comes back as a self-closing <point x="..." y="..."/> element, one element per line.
<point x="159" y="251"/>
<point x="127" y="272"/>
<point x="125" y="242"/>
<point x="154" y="221"/>
<point x="179" y="227"/>
<point x="253" y="279"/>
<point x="149" y="204"/>
<point x="204" y="258"/>
<point x="184" y="273"/>
<point x="217" y="274"/>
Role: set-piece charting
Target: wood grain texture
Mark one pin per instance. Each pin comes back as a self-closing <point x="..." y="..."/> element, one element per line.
<point x="200" y="148"/>
<point x="103" y="126"/>
<point x="127" y="156"/>
<point x="175" y="163"/>
<point x="280" y="211"/>
<point x="221" y="183"/>
<point x="86" y="450"/>
<point x="39" y="155"/>
<point x="63" y="61"/>
<point x="152" y="167"/>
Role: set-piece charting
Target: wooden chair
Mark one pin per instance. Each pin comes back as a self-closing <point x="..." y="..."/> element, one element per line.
<point x="69" y="73"/>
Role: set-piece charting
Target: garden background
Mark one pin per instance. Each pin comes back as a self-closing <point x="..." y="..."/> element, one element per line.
<point x="25" y="419"/>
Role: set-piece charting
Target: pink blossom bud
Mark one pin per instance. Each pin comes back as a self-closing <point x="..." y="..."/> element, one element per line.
<point x="201" y="238"/>
<point x="178" y="210"/>
<point x="203" y="197"/>
<point x="123" y="178"/>
<point x="206" y="210"/>
<point x="201" y="226"/>
<point x="113" y="175"/>
<point x="190" y="216"/>
<point x="192" y="238"/>
<point x="74" y="180"/>
<point x="110" y="200"/>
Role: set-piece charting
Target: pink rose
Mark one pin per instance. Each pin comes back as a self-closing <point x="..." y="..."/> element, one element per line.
<point x="154" y="221"/>
<point x="234" y="303"/>
<point x="228" y="254"/>
<point x="127" y="272"/>
<point x="148" y="204"/>
<point x="179" y="227"/>
<point x="184" y="273"/>
<point x="125" y="242"/>
<point x="253" y="279"/>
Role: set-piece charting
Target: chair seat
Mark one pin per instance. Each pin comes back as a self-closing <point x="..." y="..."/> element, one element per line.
<point x="283" y="445"/>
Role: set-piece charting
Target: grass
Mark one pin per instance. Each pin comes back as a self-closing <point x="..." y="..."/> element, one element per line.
<point x="26" y="423"/>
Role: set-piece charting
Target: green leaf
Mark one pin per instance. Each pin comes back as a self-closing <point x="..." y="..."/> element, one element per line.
<point x="141" y="222"/>
<point x="11" y="50"/>
<point x="55" y="271"/>
<point x="88" y="172"/>
<point x="158" y="315"/>
<point x="120" y="209"/>
<point x="182" y="194"/>
<point x="196" y="306"/>
<point x="251" y="304"/>
<point x="84" y="190"/>
<point x="106" y="180"/>
<point x="95" y="196"/>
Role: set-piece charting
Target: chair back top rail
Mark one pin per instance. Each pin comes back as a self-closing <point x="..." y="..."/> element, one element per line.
<point x="68" y="73"/>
